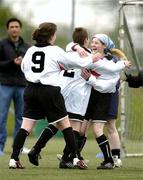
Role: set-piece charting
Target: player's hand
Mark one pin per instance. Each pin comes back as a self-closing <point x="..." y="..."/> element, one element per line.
<point x="127" y="63"/>
<point x="85" y="74"/>
<point x="18" y="60"/>
<point x="81" y="51"/>
<point x="97" y="56"/>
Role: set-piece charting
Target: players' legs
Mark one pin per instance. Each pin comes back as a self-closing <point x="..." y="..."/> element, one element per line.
<point x="67" y="131"/>
<point x="113" y="135"/>
<point x="114" y="141"/>
<point x="54" y="110"/>
<point x="63" y="125"/>
<point x="103" y="144"/>
<point x="24" y="131"/>
<point x="71" y="143"/>
<point x="83" y="133"/>
<point x="84" y="127"/>
<point x="76" y="128"/>
<point x="44" y="137"/>
<point x="81" y="137"/>
<point x="75" y="125"/>
<point x="102" y="140"/>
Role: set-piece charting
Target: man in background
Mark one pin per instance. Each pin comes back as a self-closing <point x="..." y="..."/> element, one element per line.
<point x="12" y="80"/>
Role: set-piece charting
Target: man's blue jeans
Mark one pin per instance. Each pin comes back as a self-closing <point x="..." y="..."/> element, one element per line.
<point x="7" y="95"/>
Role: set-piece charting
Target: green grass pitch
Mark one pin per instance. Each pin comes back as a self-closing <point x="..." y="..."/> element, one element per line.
<point x="48" y="168"/>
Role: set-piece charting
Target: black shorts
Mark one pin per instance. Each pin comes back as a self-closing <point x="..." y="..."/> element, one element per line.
<point x="75" y="117"/>
<point x="113" y="107"/>
<point x="44" y="101"/>
<point x="98" y="106"/>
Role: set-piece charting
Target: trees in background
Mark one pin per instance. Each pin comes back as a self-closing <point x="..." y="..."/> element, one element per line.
<point x="5" y="14"/>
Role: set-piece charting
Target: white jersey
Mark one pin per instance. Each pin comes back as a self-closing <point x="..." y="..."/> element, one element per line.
<point x="42" y="64"/>
<point x="103" y="70"/>
<point x="75" y="90"/>
<point x="111" y="71"/>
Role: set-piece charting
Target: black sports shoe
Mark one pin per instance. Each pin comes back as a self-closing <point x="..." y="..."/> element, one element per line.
<point x="34" y="157"/>
<point x="106" y="165"/>
<point x="66" y="165"/>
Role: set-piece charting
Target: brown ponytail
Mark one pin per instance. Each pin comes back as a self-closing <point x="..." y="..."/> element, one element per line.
<point x="44" y="32"/>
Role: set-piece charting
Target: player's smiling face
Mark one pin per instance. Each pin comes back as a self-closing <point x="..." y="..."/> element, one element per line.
<point x="97" y="46"/>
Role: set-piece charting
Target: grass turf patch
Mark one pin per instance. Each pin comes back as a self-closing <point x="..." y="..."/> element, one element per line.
<point x="48" y="168"/>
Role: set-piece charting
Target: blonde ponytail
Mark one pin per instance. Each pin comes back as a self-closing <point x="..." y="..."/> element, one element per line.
<point x="118" y="53"/>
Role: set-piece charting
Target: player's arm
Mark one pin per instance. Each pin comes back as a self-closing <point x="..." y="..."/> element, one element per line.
<point x="73" y="60"/>
<point x="76" y="47"/>
<point x="111" y="66"/>
<point x="135" y="81"/>
<point x="103" y="86"/>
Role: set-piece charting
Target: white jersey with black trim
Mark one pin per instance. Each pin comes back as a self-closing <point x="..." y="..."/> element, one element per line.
<point x="107" y="73"/>
<point x="75" y="91"/>
<point x="42" y="64"/>
<point x="108" y="69"/>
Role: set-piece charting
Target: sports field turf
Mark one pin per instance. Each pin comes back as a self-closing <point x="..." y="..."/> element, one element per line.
<point x="48" y="169"/>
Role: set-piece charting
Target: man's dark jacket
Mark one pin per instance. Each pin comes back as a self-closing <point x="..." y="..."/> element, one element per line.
<point x="10" y="73"/>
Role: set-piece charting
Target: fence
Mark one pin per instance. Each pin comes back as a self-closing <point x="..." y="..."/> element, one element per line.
<point x="131" y="106"/>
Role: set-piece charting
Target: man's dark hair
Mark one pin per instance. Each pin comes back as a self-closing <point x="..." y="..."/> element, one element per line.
<point x="13" y="20"/>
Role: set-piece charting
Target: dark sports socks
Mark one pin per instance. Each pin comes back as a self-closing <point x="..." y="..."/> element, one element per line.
<point x="77" y="138"/>
<point x="67" y="153"/>
<point x="45" y="136"/>
<point x="76" y="135"/>
<point x="71" y="145"/>
<point x="18" y="143"/>
<point x="81" y="142"/>
<point x="104" y="146"/>
<point x="116" y="152"/>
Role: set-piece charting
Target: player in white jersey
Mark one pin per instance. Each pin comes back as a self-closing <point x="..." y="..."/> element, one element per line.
<point x="112" y="131"/>
<point x="104" y="105"/>
<point x="103" y="111"/>
<point x="42" y="96"/>
<point x="76" y="92"/>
